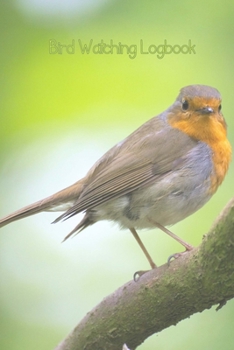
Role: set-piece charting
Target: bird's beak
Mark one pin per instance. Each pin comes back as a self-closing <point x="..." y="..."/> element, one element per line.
<point x="206" y="110"/>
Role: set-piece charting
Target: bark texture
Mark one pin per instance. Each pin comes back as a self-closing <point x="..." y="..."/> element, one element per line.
<point x="162" y="297"/>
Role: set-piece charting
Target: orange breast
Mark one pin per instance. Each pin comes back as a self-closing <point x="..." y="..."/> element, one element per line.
<point x="210" y="129"/>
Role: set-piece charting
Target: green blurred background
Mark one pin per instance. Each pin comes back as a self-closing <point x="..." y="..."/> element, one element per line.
<point x="60" y="113"/>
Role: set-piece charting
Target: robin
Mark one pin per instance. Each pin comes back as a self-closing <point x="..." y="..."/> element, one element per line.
<point x="163" y="172"/>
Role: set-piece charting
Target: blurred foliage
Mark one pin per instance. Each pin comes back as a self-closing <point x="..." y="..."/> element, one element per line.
<point x="59" y="113"/>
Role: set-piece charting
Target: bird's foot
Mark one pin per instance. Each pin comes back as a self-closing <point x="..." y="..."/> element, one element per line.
<point x="137" y="275"/>
<point x="177" y="255"/>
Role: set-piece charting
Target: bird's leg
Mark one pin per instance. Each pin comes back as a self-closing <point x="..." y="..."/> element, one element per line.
<point x="187" y="246"/>
<point x="152" y="264"/>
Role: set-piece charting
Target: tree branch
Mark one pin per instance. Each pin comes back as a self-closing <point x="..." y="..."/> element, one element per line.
<point x="162" y="297"/>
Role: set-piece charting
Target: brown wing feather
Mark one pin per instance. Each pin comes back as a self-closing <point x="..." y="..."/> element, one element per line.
<point x="116" y="187"/>
<point x="134" y="163"/>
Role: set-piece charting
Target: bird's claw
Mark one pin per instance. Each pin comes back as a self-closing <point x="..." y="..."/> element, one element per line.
<point x="177" y="255"/>
<point x="137" y="275"/>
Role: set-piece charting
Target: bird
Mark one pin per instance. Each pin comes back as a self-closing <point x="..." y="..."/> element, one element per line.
<point x="160" y="174"/>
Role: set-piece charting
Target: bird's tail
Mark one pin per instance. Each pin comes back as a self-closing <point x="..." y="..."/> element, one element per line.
<point x="59" y="201"/>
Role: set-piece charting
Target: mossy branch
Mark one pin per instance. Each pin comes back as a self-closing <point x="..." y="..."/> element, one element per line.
<point x="162" y="297"/>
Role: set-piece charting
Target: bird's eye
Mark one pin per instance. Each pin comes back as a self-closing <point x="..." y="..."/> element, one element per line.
<point x="185" y="105"/>
<point x="220" y="107"/>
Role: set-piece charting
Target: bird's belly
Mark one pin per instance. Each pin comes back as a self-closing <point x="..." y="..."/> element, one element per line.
<point x="165" y="202"/>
